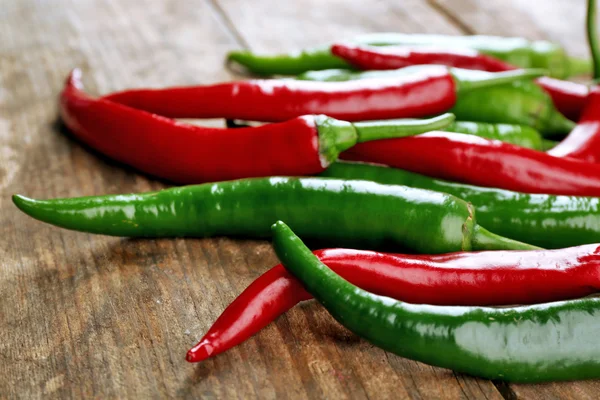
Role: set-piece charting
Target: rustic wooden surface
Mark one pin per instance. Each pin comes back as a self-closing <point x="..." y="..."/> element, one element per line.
<point x="85" y="315"/>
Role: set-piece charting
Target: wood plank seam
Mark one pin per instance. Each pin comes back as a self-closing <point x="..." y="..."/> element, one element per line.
<point x="451" y="17"/>
<point x="220" y="12"/>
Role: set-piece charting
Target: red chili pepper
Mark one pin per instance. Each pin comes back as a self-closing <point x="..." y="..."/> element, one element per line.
<point x="191" y="154"/>
<point x="476" y="278"/>
<point x="187" y="153"/>
<point x="426" y="93"/>
<point x="482" y="162"/>
<point x="583" y="143"/>
<point x="568" y="97"/>
<point x="395" y="57"/>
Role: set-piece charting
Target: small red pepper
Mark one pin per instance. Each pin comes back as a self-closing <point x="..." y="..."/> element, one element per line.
<point x="583" y="143"/>
<point x="476" y="278"/>
<point x="568" y="97"/>
<point x="426" y="93"/>
<point x="395" y="57"/>
<point x="482" y="162"/>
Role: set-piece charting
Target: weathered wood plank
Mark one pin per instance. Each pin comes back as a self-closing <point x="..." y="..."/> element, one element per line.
<point x="562" y="21"/>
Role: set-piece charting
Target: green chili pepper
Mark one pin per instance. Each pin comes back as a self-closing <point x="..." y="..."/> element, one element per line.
<point x="553" y="341"/>
<point x="544" y="220"/>
<point x="521" y="102"/>
<point x="347" y="212"/>
<point x="519" y="135"/>
<point x="517" y="51"/>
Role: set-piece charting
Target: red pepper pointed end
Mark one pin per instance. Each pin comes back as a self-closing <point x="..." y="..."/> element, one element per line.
<point x="74" y="79"/>
<point x="200" y="352"/>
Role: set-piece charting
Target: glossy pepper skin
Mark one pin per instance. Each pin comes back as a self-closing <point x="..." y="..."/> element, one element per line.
<point x="520" y="102"/>
<point x="517" y="51"/>
<point x="477" y="161"/>
<point x="394" y="57"/>
<point x="568" y="97"/>
<point x="417" y="93"/>
<point x="389" y="214"/>
<point x="548" y="221"/>
<point x="520" y="135"/>
<point x="192" y="154"/>
<point x="583" y="143"/>
<point x="476" y="278"/>
<point x="545" y="342"/>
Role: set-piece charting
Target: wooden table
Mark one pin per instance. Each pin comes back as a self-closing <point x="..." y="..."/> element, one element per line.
<point x="85" y="315"/>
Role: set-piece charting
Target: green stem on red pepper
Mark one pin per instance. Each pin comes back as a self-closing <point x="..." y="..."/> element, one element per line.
<point x="187" y="153"/>
<point x="592" y="37"/>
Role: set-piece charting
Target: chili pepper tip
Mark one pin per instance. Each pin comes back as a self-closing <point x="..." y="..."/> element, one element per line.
<point x="199" y="352"/>
<point x="23" y="203"/>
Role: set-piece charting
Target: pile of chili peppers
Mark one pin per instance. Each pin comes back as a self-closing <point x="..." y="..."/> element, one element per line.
<point x="482" y="172"/>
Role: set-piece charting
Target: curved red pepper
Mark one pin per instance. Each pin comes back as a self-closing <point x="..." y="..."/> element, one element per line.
<point x="418" y="95"/>
<point x="394" y="57"/>
<point x="476" y="278"/>
<point x="569" y="97"/>
<point x="583" y="143"/>
<point x="477" y="161"/>
<point x="187" y="153"/>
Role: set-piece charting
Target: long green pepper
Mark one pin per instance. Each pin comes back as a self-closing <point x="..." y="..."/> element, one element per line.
<point x="546" y="342"/>
<point x="358" y="213"/>
<point x="521" y="102"/>
<point x="547" y="221"/>
<point x="517" y="51"/>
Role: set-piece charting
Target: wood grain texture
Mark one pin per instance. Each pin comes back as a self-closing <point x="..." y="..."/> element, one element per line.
<point x="93" y="316"/>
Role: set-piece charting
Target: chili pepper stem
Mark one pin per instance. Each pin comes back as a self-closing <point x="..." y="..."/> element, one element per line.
<point x="394" y="128"/>
<point x="336" y="136"/>
<point x="483" y="239"/>
<point x="592" y="37"/>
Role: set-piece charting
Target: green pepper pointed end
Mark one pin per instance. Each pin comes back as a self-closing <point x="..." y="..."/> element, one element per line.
<point x="245" y="61"/>
<point x="25" y="204"/>
<point x="35" y="208"/>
